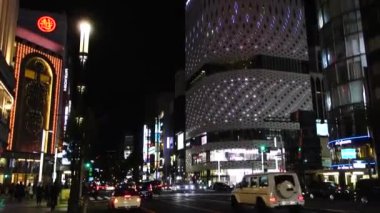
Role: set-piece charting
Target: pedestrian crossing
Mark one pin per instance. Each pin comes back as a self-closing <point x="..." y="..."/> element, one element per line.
<point x="100" y="198"/>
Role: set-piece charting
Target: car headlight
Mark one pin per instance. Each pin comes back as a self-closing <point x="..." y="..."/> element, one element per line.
<point x="192" y="187"/>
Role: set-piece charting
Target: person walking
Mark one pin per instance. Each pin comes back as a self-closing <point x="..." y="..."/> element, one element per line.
<point x="54" y="192"/>
<point x="29" y="190"/>
<point x="39" y="191"/>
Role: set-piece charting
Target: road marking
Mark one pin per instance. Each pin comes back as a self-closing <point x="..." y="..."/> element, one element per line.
<point x="147" y="210"/>
<point x="193" y="207"/>
<point x="339" y="211"/>
<point x="106" y="197"/>
<point x="92" y="199"/>
<point x="216" y="201"/>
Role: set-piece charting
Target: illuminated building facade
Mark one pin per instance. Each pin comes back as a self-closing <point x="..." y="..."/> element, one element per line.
<point x="35" y="121"/>
<point x="246" y="72"/>
<point x="8" y="23"/>
<point x="344" y="61"/>
<point x="158" y="140"/>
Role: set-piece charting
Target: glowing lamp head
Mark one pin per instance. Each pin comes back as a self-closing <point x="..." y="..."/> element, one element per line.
<point x="85" y="27"/>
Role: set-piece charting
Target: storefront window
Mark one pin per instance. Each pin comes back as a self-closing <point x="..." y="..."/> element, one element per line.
<point x="5" y="103"/>
<point x="352" y="45"/>
<point x="344" y="95"/>
<point x="356" y="90"/>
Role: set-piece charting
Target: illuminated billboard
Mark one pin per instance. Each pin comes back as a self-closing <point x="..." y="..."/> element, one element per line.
<point x="348" y="153"/>
<point x="322" y="128"/>
<point x="180" y="141"/>
<point x="204" y="140"/>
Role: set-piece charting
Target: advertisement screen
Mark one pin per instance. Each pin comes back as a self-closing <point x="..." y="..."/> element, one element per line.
<point x="180" y="141"/>
<point x="348" y="153"/>
<point x="322" y="128"/>
<point x="204" y="139"/>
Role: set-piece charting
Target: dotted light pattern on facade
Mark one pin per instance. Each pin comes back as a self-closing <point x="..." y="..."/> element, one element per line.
<point x="220" y="31"/>
<point x="242" y="99"/>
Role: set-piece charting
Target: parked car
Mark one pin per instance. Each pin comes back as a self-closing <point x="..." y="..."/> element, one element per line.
<point x="269" y="190"/>
<point x="328" y="190"/>
<point x="220" y="186"/>
<point x="367" y="191"/>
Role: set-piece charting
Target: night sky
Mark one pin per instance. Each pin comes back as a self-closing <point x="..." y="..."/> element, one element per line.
<point x="125" y="66"/>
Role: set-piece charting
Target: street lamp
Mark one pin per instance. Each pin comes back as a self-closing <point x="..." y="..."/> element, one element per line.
<point x="43" y="142"/>
<point x="85" y="29"/>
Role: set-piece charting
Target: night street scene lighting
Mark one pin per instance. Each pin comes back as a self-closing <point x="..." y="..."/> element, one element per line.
<point x="190" y="106"/>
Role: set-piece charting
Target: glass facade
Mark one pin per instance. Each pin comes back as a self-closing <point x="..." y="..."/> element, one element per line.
<point x="344" y="64"/>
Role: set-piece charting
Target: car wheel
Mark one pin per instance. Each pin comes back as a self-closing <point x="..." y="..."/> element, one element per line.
<point x="261" y="207"/>
<point x="363" y="200"/>
<point x="285" y="189"/>
<point x="234" y="202"/>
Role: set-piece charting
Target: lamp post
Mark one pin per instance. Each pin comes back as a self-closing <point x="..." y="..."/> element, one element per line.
<point x="78" y="136"/>
<point x="43" y="143"/>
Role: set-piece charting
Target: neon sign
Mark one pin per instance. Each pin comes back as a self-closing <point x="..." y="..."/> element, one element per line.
<point x="349" y="140"/>
<point x="46" y="24"/>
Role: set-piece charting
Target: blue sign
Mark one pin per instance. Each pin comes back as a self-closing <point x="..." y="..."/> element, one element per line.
<point x="348" y="153"/>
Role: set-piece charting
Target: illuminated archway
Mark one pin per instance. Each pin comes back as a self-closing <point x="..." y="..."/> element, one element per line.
<point x="34" y="105"/>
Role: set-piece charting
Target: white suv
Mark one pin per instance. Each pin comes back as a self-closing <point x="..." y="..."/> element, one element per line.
<point x="269" y="190"/>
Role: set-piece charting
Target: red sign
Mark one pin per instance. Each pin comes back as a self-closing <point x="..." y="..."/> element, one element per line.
<point x="46" y="24"/>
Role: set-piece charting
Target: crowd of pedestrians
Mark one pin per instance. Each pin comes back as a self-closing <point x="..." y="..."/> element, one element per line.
<point x="17" y="192"/>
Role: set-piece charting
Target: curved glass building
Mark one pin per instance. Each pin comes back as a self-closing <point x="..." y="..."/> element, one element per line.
<point x="246" y="72"/>
<point x="344" y="63"/>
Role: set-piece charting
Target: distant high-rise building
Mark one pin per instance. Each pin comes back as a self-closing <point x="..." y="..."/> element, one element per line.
<point x="246" y="72"/>
<point x="158" y="138"/>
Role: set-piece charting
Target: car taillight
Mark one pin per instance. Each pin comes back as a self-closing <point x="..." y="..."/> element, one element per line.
<point x="272" y="199"/>
<point x="127" y="196"/>
<point x="300" y="198"/>
<point x="150" y="187"/>
<point x="115" y="201"/>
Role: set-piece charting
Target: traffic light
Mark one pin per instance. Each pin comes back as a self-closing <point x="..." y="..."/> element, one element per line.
<point x="299" y="152"/>
<point x="263" y="149"/>
<point x="88" y="165"/>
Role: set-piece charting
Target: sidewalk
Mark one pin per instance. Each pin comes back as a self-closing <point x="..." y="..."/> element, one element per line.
<point x="28" y="206"/>
<point x="339" y="206"/>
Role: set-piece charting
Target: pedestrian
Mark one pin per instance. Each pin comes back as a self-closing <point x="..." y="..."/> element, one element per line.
<point x="39" y="191"/>
<point x="30" y="191"/>
<point x="54" y="192"/>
